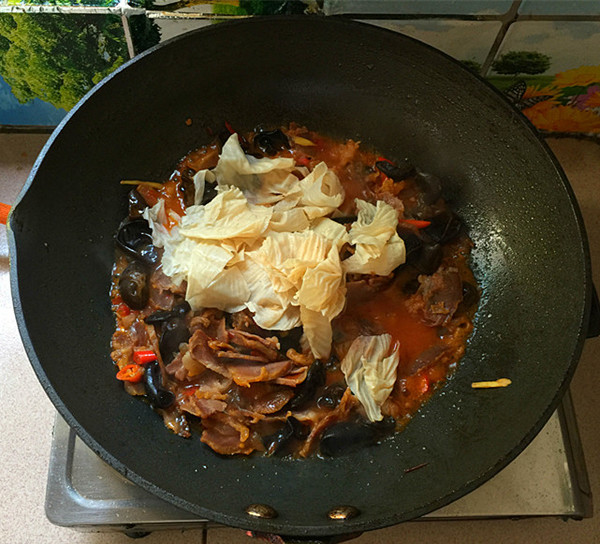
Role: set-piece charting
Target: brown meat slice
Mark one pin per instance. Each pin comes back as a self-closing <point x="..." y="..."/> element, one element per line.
<point x="228" y="436"/>
<point x="212" y="385"/>
<point x="243" y="321"/>
<point x="177" y="368"/>
<point x="124" y="342"/>
<point x="243" y="373"/>
<point x="237" y="356"/>
<point x="340" y="413"/>
<point x="200" y="350"/>
<point x="201" y="407"/>
<point x="162" y="283"/>
<point x="295" y="377"/>
<point x="163" y="290"/>
<point x="122" y="348"/>
<point x="437" y="298"/>
<point x="269" y="347"/>
<point x="300" y="359"/>
<point x="211" y="322"/>
<point x="392" y="200"/>
<point x="246" y="373"/>
<point x="264" y="398"/>
<point x="140" y="333"/>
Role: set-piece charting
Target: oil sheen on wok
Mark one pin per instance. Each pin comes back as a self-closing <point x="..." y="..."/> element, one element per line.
<point x="289" y="294"/>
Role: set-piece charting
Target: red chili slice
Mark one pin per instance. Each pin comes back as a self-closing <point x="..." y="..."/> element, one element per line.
<point x="189" y="391"/>
<point x="416" y="223"/>
<point x="143" y="356"/>
<point x="131" y="373"/>
<point x="123" y="310"/>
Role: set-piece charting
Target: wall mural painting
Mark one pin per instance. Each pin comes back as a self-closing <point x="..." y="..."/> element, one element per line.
<point x="52" y="60"/>
<point x="550" y="71"/>
<point x="565" y="103"/>
<point x="49" y="61"/>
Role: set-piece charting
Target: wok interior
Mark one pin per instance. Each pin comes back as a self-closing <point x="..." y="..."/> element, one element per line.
<point x="348" y="81"/>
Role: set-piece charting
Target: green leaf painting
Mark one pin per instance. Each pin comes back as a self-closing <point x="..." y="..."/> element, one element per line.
<point x="522" y="62"/>
<point x="58" y="58"/>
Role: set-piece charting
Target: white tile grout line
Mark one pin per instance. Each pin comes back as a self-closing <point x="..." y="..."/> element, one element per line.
<point x="507" y="20"/>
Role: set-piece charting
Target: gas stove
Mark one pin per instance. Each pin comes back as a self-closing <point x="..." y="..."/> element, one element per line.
<point x="548" y="478"/>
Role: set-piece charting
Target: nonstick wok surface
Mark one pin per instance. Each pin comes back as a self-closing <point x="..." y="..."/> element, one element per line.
<point x="347" y="80"/>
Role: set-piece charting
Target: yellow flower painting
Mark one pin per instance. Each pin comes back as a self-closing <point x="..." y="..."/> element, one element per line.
<point x="594" y="100"/>
<point x="569" y="103"/>
<point x="552" y="118"/>
<point x="578" y="77"/>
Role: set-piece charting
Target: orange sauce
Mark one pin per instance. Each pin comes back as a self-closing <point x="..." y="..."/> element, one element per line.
<point x="413" y="336"/>
<point x="386" y="310"/>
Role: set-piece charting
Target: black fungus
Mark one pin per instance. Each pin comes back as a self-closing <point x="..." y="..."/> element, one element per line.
<point x="427" y="259"/>
<point x="156" y="393"/>
<point x="210" y="191"/>
<point x="179" y="310"/>
<point x="290" y="340"/>
<point x="397" y="172"/>
<point x="430" y="185"/>
<point x="412" y="242"/>
<point x="305" y="392"/>
<point x="134" y="237"/>
<point x="445" y="226"/>
<point x="174" y="333"/>
<point x="278" y="441"/>
<point x="299" y="429"/>
<point x="133" y="286"/>
<point x="331" y="395"/>
<point x="186" y="187"/>
<point x="333" y="363"/>
<point x="271" y="141"/>
<point x="135" y="204"/>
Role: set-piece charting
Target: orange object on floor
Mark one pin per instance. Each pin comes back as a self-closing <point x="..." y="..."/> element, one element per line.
<point x="4" y="209"/>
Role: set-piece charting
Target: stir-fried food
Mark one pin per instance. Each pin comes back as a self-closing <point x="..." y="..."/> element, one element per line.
<point x="287" y="293"/>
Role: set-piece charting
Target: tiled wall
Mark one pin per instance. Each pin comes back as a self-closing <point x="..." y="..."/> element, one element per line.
<point x="545" y="54"/>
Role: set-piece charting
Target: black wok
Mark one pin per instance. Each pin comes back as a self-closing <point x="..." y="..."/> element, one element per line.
<point x="347" y="80"/>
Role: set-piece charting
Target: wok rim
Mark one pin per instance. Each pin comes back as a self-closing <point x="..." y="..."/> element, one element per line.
<point x="274" y="526"/>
